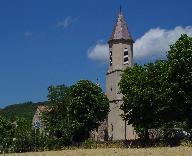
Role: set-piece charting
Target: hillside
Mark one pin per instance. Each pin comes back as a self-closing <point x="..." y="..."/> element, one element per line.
<point x="25" y="110"/>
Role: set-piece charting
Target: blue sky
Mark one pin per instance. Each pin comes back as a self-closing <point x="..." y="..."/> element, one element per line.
<point x="46" y="42"/>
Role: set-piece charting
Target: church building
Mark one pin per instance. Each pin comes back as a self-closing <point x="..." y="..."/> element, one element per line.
<point x="121" y="57"/>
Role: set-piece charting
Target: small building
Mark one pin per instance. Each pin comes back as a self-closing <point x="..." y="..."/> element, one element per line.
<point x="37" y="122"/>
<point x="100" y="134"/>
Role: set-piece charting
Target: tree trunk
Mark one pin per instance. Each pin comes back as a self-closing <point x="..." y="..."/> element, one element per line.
<point x="146" y="133"/>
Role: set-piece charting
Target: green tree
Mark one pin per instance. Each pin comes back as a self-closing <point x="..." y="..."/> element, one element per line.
<point x="88" y="107"/>
<point x="21" y="135"/>
<point x="179" y="75"/>
<point x="5" y="134"/>
<point x="141" y="88"/>
<point x="160" y="94"/>
<point x="57" y="117"/>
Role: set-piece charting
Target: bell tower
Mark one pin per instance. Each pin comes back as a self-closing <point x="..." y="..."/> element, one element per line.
<point x="121" y="57"/>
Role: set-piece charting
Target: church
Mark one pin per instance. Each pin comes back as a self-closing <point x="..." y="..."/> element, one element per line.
<point x="121" y="57"/>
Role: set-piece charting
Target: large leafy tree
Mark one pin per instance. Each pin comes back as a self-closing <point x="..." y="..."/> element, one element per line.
<point x="179" y="76"/>
<point x="160" y="94"/>
<point x="88" y="107"/>
<point x="75" y="111"/>
<point x="21" y="135"/>
<point x="57" y="118"/>
<point x="141" y="87"/>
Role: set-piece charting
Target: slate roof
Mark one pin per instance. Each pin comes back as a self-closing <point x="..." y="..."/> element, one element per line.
<point x="120" y="30"/>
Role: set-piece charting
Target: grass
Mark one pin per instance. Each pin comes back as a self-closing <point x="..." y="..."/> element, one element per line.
<point x="163" y="151"/>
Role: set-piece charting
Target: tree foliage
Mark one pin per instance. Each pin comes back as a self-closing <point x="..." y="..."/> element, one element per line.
<point x="21" y="134"/>
<point x="141" y="87"/>
<point x="5" y="133"/>
<point x="75" y="110"/>
<point x="57" y="118"/>
<point x="15" y="136"/>
<point x="179" y="74"/>
<point x="160" y="93"/>
<point x="88" y="107"/>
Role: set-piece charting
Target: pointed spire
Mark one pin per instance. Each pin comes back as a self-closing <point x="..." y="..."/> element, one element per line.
<point x="121" y="29"/>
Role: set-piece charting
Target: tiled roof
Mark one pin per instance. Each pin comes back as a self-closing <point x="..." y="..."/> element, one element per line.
<point x="121" y="29"/>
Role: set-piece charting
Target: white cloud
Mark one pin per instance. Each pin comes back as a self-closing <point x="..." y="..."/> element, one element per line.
<point x="154" y="42"/>
<point x="99" y="52"/>
<point x="66" y="22"/>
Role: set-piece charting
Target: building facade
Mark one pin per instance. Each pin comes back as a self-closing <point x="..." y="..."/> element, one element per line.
<point x="121" y="57"/>
<point x="37" y="122"/>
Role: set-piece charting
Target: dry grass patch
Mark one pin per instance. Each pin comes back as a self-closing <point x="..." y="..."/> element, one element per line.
<point x="164" y="151"/>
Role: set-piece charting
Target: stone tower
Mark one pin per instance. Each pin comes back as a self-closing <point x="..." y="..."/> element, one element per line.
<point x="121" y="57"/>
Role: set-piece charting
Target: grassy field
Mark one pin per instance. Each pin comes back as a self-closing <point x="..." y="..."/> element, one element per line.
<point x="164" y="151"/>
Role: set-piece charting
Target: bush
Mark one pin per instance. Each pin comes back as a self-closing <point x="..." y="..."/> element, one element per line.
<point x="90" y="143"/>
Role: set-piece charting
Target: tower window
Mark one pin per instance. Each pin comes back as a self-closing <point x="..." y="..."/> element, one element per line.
<point x="126" y="60"/>
<point x="111" y="61"/>
<point x="126" y="56"/>
<point x="125" y="53"/>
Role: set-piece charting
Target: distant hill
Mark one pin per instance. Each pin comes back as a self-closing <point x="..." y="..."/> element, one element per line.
<point x="25" y="110"/>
